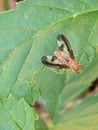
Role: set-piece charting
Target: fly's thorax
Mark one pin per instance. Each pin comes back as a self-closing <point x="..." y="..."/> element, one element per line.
<point x="74" y="66"/>
<point x="61" y="55"/>
<point x="58" y="54"/>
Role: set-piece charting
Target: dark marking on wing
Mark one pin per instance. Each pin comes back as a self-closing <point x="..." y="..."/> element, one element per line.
<point x="64" y="40"/>
<point x="52" y="64"/>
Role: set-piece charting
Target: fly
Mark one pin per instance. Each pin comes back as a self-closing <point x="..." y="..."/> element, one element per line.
<point x="63" y="58"/>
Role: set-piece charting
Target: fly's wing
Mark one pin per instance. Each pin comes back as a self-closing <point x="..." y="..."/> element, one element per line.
<point x="64" y="45"/>
<point x="52" y="62"/>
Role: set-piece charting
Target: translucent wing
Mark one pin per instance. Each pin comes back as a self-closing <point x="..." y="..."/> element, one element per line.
<point x="52" y="62"/>
<point x="64" y="45"/>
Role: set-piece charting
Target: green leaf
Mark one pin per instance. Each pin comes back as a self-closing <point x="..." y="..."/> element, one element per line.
<point x="51" y="87"/>
<point x="25" y="40"/>
<point x="40" y="125"/>
<point x="82" y="117"/>
<point x="16" y="115"/>
<point x="29" y="32"/>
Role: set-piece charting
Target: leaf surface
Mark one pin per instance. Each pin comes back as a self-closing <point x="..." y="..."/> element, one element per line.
<point x="29" y="32"/>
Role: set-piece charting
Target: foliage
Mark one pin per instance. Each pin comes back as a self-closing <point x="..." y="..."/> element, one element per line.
<point x="28" y="33"/>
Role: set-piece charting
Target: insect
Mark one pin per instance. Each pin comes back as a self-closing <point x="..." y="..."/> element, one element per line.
<point x="63" y="58"/>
